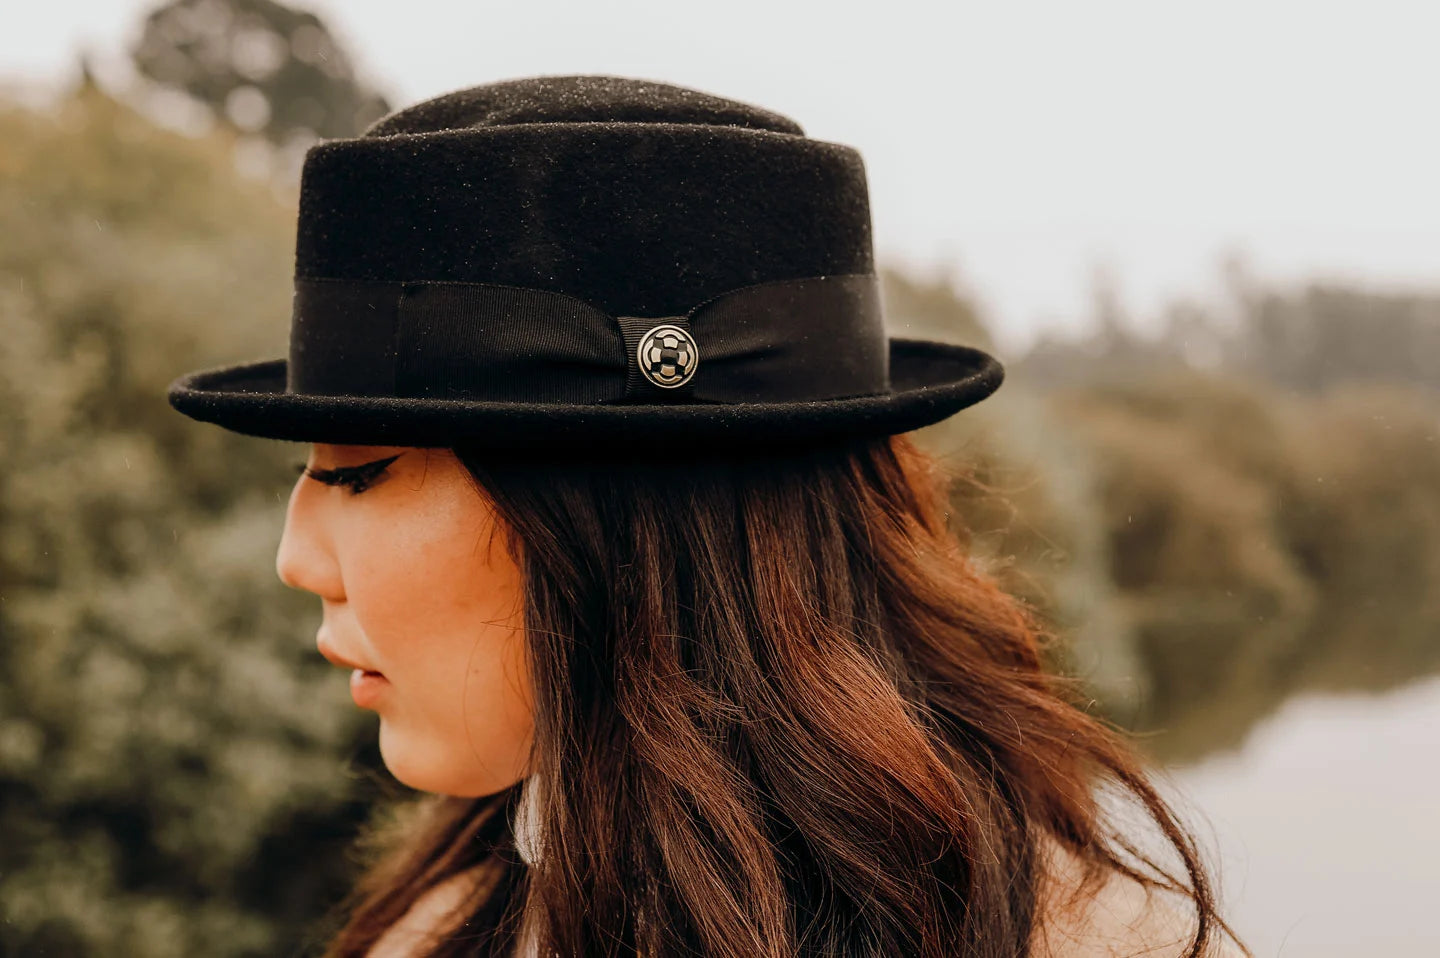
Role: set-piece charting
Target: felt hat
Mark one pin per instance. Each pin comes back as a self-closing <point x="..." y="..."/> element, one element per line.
<point x="573" y="263"/>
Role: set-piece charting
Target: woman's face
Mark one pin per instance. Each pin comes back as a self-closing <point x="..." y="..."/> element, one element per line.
<point x="414" y="586"/>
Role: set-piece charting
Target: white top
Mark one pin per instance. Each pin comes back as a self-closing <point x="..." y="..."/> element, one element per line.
<point x="527" y="822"/>
<point x="526" y="826"/>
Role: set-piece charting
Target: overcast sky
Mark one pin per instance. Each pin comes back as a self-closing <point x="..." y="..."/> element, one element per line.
<point x="1017" y="144"/>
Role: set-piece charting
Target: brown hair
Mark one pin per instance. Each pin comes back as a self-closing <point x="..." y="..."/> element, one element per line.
<point x="779" y="712"/>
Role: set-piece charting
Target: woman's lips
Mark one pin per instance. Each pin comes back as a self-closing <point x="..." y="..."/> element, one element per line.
<point x="366" y="688"/>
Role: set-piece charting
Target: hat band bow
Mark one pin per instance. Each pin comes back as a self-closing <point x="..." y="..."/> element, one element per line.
<point x="812" y="338"/>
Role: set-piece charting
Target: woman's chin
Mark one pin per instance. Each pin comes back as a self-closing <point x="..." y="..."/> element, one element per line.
<point x="436" y="770"/>
<point x="406" y="760"/>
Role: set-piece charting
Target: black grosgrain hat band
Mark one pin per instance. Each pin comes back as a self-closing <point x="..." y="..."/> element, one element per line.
<point x="811" y="338"/>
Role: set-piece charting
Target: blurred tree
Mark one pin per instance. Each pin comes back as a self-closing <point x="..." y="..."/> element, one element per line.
<point x="170" y="746"/>
<point x="1362" y="517"/>
<point x="1263" y="543"/>
<point x="918" y="307"/>
<point x="1326" y="335"/>
<point x="261" y="66"/>
<point x="1309" y="339"/>
<point x="1112" y="350"/>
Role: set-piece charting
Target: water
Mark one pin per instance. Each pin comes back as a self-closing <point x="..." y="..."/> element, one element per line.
<point x="1327" y="822"/>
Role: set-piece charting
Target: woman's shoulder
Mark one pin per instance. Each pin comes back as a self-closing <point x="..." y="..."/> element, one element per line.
<point x="1119" y="917"/>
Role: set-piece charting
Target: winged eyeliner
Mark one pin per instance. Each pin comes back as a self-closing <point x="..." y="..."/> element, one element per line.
<point x="356" y="476"/>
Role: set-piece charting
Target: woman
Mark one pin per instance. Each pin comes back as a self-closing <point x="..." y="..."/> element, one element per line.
<point x="611" y="513"/>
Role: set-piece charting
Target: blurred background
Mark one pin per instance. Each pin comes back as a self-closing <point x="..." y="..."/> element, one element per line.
<point x="1204" y="240"/>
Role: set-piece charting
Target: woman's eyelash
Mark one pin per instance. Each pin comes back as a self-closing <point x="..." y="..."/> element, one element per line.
<point x="355" y="478"/>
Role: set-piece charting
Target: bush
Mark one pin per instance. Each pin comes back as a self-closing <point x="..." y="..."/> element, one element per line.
<point x="167" y="732"/>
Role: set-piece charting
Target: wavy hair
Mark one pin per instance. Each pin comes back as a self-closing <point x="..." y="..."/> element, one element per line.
<point x="779" y="712"/>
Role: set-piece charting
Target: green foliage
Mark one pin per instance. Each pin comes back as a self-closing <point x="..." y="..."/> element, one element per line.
<point x="166" y="730"/>
<point x="1212" y="541"/>
<point x="1211" y="546"/>
<point x="1269" y="543"/>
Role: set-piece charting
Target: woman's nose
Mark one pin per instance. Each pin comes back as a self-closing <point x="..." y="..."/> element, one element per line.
<point x="305" y="559"/>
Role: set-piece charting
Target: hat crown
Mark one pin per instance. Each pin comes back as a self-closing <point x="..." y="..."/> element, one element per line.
<point x="643" y="198"/>
<point x="577" y="99"/>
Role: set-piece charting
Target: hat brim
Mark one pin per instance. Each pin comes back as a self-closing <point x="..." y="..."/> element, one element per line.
<point x="929" y="381"/>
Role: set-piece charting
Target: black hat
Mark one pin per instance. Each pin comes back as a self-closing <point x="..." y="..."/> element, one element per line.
<point x="586" y="262"/>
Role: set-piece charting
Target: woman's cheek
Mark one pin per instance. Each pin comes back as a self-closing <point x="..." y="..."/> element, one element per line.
<point x="397" y="584"/>
<point x="462" y="720"/>
<point x="439" y="600"/>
